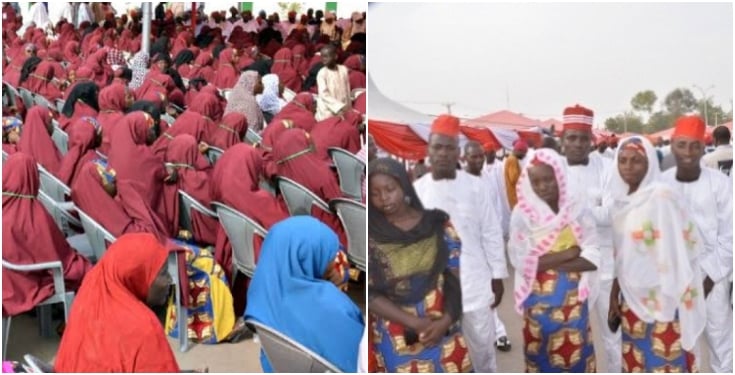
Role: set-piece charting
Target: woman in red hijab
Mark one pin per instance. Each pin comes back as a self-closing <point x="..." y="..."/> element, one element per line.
<point x="41" y="82"/>
<point x="85" y="135"/>
<point x="202" y="67"/>
<point x="339" y="132"/>
<point x="133" y="160"/>
<point x="72" y="55"/>
<point x="227" y="74"/>
<point x="77" y="77"/>
<point x="183" y="153"/>
<point x="116" y="205"/>
<point x="182" y="42"/>
<point x="113" y="101"/>
<point x="356" y="66"/>
<point x="295" y="157"/>
<point x="55" y="57"/>
<point x="155" y="80"/>
<point x="11" y="134"/>
<point x="35" y="139"/>
<point x="195" y="121"/>
<point x="282" y="66"/>
<point x="236" y="183"/>
<point x="82" y="102"/>
<point x="230" y="131"/>
<point x="112" y="327"/>
<point x="31" y="236"/>
<point x="300" y="111"/>
<point x="97" y="62"/>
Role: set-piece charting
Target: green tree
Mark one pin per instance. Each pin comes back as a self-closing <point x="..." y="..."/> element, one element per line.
<point x="643" y="101"/>
<point x="715" y="114"/>
<point x="679" y="102"/>
<point x="658" y="121"/>
<point x="626" y="122"/>
<point x="288" y="7"/>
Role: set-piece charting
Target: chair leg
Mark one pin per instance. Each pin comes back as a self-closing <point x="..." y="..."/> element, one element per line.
<point x="182" y="314"/>
<point x="6" y="335"/>
<point x="44" y="320"/>
<point x="68" y="299"/>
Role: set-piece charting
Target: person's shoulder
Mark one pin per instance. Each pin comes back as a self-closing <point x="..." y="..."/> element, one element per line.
<point x="422" y="181"/>
<point x="716" y="176"/>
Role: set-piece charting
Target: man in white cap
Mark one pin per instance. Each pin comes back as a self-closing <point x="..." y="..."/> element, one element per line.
<point x="588" y="176"/>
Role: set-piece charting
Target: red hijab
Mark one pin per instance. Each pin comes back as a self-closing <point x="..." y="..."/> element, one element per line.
<point x="97" y="62"/>
<point x="155" y="81"/>
<point x="124" y="213"/>
<point x="300" y="111"/>
<point x="181" y="43"/>
<point x="183" y="152"/>
<point x="71" y="54"/>
<point x="227" y="75"/>
<point x="235" y="182"/>
<point x="112" y="110"/>
<point x="339" y="132"/>
<point x="110" y="328"/>
<point x="202" y="67"/>
<point x="357" y="75"/>
<point x="282" y="66"/>
<point x="230" y="131"/>
<point x="40" y="82"/>
<point x="360" y="103"/>
<point x="195" y="121"/>
<point x="55" y="57"/>
<point x="83" y="74"/>
<point x="31" y="236"/>
<point x="83" y="137"/>
<point x="36" y="140"/>
<point x="133" y="160"/>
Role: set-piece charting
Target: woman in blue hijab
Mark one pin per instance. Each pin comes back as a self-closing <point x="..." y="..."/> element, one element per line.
<point x="292" y="293"/>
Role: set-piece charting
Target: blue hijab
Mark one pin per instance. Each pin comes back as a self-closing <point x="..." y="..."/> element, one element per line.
<point x="289" y="294"/>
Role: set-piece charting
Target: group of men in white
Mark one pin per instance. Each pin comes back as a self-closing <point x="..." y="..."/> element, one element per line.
<point x="479" y="209"/>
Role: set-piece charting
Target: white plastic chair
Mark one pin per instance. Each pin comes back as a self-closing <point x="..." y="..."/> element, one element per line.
<point x="351" y="171"/>
<point x="60" y="104"/>
<point x="35" y="365"/>
<point x="288" y="94"/>
<point x="285" y="355"/>
<point x="60" y="296"/>
<point x="181" y="311"/>
<point x="59" y="211"/>
<point x="356" y="92"/>
<point x="168" y="118"/>
<point x="299" y="199"/>
<point x="352" y="215"/>
<point x="42" y="101"/>
<point x="5" y="156"/>
<point x="214" y="153"/>
<point x="240" y="231"/>
<point x="186" y="204"/>
<point x="98" y="236"/>
<point x="52" y="186"/>
<point x="251" y="137"/>
<point x="27" y="97"/>
<point x="61" y="139"/>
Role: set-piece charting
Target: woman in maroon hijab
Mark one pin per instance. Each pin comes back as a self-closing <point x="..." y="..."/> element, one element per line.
<point x="155" y="81"/>
<point x="227" y="74"/>
<point x="300" y="62"/>
<point x="183" y="153"/>
<point x="202" y="67"/>
<point x="300" y="111"/>
<point x="35" y="140"/>
<point x="82" y="102"/>
<point x="295" y="158"/>
<point x="41" y="82"/>
<point x="356" y="66"/>
<point x="72" y="55"/>
<point x="78" y="76"/>
<point x="97" y="62"/>
<point x="230" y="131"/>
<point x="236" y="183"/>
<point x="339" y="132"/>
<point x="195" y="121"/>
<point x="116" y="205"/>
<point x="31" y="236"/>
<point x="182" y="42"/>
<point x="55" y="57"/>
<point x="133" y="160"/>
<point x="85" y="135"/>
<point x="113" y="101"/>
<point x="287" y="75"/>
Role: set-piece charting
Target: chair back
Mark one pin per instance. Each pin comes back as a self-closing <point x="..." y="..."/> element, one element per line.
<point x="186" y="204"/>
<point x="352" y="215"/>
<point x="241" y="231"/>
<point x="97" y="235"/>
<point x="351" y="171"/>
<point x="299" y="199"/>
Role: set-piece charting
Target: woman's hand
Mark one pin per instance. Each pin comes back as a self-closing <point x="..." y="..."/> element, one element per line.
<point x="203" y="147"/>
<point x="435" y="331"/>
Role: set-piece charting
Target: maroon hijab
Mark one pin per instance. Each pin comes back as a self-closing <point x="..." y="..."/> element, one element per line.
<point x="300" y="112"/>
<point x="127" y="212"/>
<point x="339" y="132"/>
<point x="31" y="236"/>
<point x="183" y="153"/>
<point x="84" y="135"/>
<point x="227" y="75"/>
<point x="202" y="67"/>
<point x="112" y="110"/>
<point x="195" y="121"/>
<point x="36" y="140"/>
<point x="229" y="131"/>
<point x="283" y="67"/>
<point x="40" y="82"/>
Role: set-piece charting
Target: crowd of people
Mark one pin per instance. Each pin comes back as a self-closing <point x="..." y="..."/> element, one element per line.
<point x="589" y="231"/>
<point x="269" y="96"/>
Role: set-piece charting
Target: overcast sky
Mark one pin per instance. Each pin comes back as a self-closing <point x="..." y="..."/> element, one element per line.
<point x="548" y="55"/>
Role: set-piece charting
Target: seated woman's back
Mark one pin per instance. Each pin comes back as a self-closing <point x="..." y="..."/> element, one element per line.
<point x="111" y="327"/>
<point x="290" y="292"/>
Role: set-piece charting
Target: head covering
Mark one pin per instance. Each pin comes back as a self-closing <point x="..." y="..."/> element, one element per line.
<point x="116" y="290"/>
<point x="139" y="66"/>
<point x="112" y="110"/>
<point x="202" y="67"/>
<point x="537" y="224"/>
<point x="40" y="82"/>
<point x="447" y="125"/>
<point x="230" y="131"/>
<point x="578" y="118"/>
<point x="520" y="145"/>
<point x="269" y="101"/>
<point x="31" y="236"/>
<point x="83" y="136"/>
<point x="653" y="219"/>
<point x="337" y="131"/>
<point x="299" y="111"/>
<point x="690" y="127"/>
<point x="295" y="257"/>
<point x="242" y="100"/>
<point x="11" y="123"/>
<point x="183" y="154"/>
<point x="82" y="102"/>
<point x="134" y="160"/>
<point x="192" y="122"/>
<point x="226" y="76"/>
<point x="36" y="141"/>
<point x="283" y="67"/>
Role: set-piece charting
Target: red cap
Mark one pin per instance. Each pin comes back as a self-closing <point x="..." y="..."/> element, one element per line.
<point x="489" y="147"/>
<point x="690" y="127"/>
<point x="578" y="118"/>
<point x="446" y="125"/>
<point x="520" y="145"/>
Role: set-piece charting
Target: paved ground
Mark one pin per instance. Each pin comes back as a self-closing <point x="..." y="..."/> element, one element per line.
<point x="240" y="357"/>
